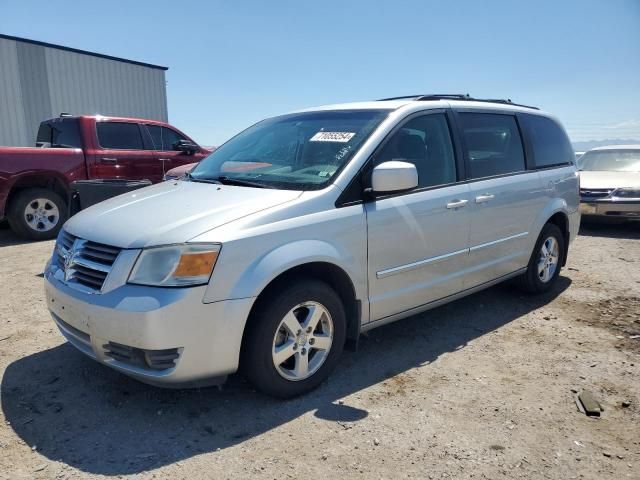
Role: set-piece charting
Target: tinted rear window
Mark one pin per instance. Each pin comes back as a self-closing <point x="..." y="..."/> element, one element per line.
<point x="550" y="144"/>
<point x="59" y="133"/>
<point x="119" y="135"/>
<point x="493" y="144"/>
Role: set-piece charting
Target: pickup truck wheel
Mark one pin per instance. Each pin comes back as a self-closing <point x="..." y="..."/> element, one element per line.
<point x="37" y="213"/>
<point x="545" y="262"/>
<point x="295" y="340"/>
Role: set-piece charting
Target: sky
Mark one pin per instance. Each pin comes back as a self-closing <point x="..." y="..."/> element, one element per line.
<point x="232" y="63"/>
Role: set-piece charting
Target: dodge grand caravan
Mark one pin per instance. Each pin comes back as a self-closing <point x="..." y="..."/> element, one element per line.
<point x="354" y="215"/>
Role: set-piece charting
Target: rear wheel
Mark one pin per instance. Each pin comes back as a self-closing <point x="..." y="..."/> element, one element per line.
<point x="545" y="262"/>
<point x="295" y="339"/>
<point x="37" y="213"/>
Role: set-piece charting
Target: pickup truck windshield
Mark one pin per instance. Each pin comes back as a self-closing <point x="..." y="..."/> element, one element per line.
<point x="612" y="160"/>
<point x="300" y="151"/>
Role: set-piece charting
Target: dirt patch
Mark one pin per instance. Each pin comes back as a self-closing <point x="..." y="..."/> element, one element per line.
<point x="620" y="315"/>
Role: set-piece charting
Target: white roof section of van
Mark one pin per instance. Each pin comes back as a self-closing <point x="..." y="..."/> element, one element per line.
<point x="617" y="147"/>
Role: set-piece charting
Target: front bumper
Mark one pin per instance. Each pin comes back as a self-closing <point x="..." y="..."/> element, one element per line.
<point x="610" y="209"/>
<point x="206" y="336"/>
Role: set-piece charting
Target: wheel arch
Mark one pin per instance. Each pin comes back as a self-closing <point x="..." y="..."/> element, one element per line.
<point x="561" y="220"/>
<point x="556" y="212"/>
<point x="50" y="180"/>
<point x="330" y="273"/>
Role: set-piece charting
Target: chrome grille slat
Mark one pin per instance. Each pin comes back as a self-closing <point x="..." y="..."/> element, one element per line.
<point x="92" y="273"/>
<point x="103" y="248"/>
<point x="100" y="257"/>
<point x="88" y="281"/>
<point x="84" y="262"/>
<point x="593" y="193"/>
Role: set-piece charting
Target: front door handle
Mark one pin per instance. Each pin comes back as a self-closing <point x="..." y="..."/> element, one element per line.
<point x="484" y="198"/>
<point x="109" y="160"/>
<point x="457" y="203"/>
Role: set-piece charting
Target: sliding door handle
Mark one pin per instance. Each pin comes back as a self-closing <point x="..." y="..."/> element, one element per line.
<point x="457" y="203"/>
<point x="109" y="160"/>
<point x="484" y="198"/>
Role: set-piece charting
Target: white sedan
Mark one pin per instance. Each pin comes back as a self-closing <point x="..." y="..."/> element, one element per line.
<point x="610" y="181"/>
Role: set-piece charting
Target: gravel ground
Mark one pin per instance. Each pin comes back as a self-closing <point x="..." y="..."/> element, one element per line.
<point x="481" y="388"/>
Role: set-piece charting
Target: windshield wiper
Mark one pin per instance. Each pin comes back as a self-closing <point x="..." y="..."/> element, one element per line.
<point x="201" y="180"/>
<point x="239" y="182"/>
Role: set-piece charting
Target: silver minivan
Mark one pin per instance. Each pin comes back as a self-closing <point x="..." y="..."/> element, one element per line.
<point x="306" y="229"/>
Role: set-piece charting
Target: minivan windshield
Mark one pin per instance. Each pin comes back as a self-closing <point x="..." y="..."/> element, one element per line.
<point x="612" y="160"/>
<point x="300" y="151"/>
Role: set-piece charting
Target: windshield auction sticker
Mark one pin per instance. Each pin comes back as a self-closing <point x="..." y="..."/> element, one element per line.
<point x="342" y="137"/>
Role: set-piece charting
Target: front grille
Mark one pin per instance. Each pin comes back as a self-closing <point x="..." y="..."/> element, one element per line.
<point x="137" y="357"/>
<point x="84" y="262"/>
<point x="595" y="193"/>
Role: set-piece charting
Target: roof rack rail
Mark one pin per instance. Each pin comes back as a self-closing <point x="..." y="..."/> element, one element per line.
<point x="431" y="96"/>
<point x="458" y="96"/>
<point x="445" y="96"/>
<point x="505" y="101"/>
<point x="404" y="97"/>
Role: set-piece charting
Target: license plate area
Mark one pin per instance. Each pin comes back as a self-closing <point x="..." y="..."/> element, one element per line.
<point x="70" y="315"/>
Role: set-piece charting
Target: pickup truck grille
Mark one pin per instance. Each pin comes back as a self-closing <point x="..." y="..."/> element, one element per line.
<point x="595" y="193"/>
<point x="84" y="262"/>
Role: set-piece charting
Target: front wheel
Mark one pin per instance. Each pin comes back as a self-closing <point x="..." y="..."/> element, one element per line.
<point x="545" y="262"/>
<point x="295" y="339"/>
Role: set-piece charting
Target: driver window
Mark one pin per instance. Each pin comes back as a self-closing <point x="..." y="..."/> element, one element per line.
<point x="426" y="142"/>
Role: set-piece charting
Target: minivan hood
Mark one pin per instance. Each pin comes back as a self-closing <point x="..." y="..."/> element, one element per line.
<point x="171" y="212"/>
<point x="609" y="179"/>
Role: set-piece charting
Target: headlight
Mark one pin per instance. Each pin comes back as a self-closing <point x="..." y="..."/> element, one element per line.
<point x="626" y="193"/>
<point x="175" y="265"/>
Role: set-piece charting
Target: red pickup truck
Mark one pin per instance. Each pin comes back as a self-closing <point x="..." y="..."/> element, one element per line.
<point x="34" y="182"/>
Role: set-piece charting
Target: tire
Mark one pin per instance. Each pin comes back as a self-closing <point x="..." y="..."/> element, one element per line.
<point x="535" y="281"/>
<point x="267" y="331"/>
<point x="47" y="210"/>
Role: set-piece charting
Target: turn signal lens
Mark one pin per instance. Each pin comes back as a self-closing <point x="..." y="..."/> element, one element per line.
<point x="195" y="264"/>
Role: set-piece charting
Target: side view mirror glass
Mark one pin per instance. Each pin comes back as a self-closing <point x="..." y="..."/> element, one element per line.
<point x="394" y="176"/>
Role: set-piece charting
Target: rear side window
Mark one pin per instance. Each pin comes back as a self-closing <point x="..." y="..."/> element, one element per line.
<point x="493" y="144"/>
<point x="550" y="144"/>
<point x="59" y="133"/>
<point x="164" y="138"/>
<point x="119" y="135"/>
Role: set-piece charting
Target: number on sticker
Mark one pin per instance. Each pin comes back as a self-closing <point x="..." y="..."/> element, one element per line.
<point x="342" y="137"/>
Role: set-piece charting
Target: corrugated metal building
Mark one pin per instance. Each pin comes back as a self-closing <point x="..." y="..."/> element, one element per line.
<point x="39" y="80"/>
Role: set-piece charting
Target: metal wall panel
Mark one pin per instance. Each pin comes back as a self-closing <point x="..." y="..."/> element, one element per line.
<point x="38" y="82"/>
<point x="12" y="120"/>
<point x="35" y="85"/>
<point x="82" y="84"/>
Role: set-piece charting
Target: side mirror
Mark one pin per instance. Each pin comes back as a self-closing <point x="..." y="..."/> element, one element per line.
<point x="394" y="176"/>
<point x="186" y="146"/>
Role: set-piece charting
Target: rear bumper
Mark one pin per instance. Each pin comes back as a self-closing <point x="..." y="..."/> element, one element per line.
<point x="611" y="209"/>
<point x="206" y="337"/>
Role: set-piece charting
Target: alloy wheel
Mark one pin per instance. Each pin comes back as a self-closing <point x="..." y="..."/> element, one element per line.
<point x="548" y="259"/>
<point x="41" y="214"/>
<point x="302" y="341"/>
